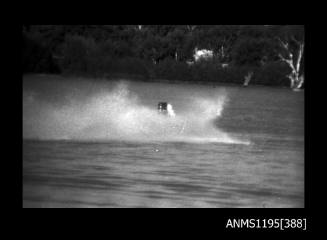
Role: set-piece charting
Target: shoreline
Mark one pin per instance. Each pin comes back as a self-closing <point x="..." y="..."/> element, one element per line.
<point x="144" y="80"/>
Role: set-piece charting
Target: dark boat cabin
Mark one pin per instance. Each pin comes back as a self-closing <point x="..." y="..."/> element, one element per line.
<point x="166" y="109"/>
<point x="162" y="108"/>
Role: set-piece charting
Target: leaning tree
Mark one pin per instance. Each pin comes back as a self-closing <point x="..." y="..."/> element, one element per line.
<point x="291" y="51"/>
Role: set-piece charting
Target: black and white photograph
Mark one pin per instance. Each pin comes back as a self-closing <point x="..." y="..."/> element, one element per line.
<point x="163" y="116"/>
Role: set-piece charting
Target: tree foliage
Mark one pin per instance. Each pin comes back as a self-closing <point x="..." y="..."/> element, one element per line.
<point x="160" y="51"/>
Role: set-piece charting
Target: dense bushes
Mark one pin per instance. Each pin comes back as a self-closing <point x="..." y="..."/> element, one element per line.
<point x="83" y="56"/>
<point x="171" y="70"/>
<point x="273" y="74"/>
<point x="157" y="52"/>
<point x="36" y="57"/>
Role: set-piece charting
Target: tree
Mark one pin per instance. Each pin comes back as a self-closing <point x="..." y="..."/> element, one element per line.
<point x="249" y="50"/>
<point x="252" y="53"/>
<point x="78" y="53"/>
<point x="222" y="40"/>
<point x="291" y="52"/>
<point x="177" y="40"/>
<point x="37" y="55"/>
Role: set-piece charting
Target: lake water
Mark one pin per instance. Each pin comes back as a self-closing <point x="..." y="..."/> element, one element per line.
<point x="102" y="144"/>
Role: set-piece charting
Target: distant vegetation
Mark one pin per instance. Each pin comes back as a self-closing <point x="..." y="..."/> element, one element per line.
<point x="272" y="54"/>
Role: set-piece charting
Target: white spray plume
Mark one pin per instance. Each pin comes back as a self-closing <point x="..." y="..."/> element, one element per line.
<point x="119" y="115"/>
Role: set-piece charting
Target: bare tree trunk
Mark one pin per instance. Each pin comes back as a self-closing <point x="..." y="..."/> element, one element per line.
<point x="296" y="81"/>
<point x="299" y="83"/>
<point x="247" y="79"/>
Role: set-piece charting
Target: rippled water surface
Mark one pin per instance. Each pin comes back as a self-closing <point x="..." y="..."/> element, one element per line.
<point x="263" y="167"/>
